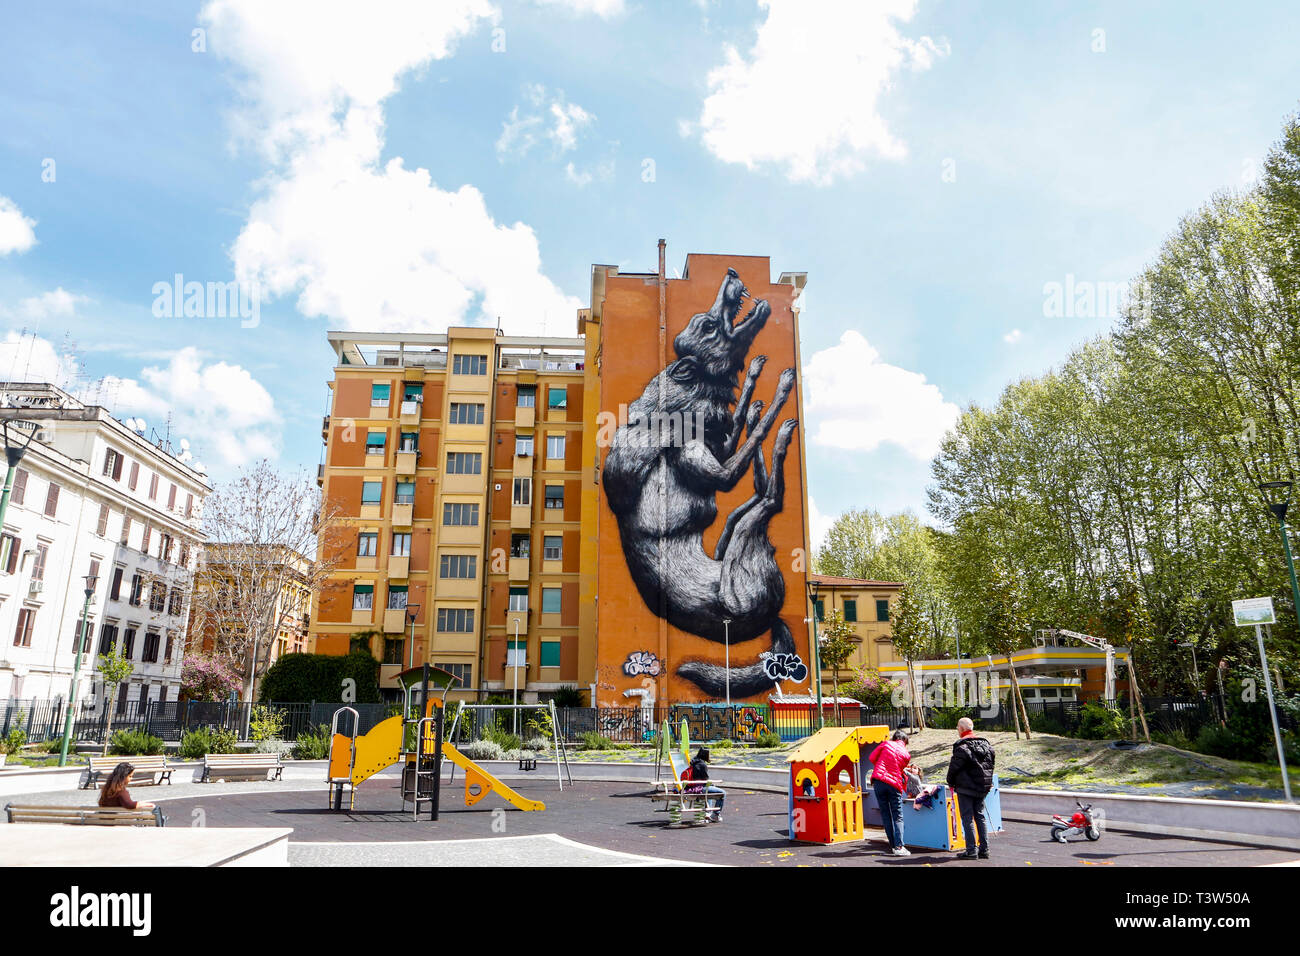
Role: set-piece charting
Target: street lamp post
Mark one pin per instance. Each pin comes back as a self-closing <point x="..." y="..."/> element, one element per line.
<point x="816" y="652"/>
<point x="726" y="626"/>
<point x="412" y="612"/>
<point x="13" y="455"/>
<point x="76" y="668"/>
<point x="1278" y="496"/>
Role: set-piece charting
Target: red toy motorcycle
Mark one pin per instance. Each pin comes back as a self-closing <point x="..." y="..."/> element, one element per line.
<point x="1081" y="821"/>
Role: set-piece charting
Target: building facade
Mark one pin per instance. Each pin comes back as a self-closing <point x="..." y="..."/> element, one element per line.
<point x="454" y="460"/>
<point x="867" y="605"/>
<point x="93" y="497"/>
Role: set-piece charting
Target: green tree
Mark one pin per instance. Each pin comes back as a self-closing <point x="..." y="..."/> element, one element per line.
<point x="910" y="630"/>
<point x="113" y="669"/>
<point x="835" y="646"/>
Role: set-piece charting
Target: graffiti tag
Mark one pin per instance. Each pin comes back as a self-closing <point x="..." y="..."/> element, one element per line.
<point x="642" y="662"/>
<point x="779" y="667"/>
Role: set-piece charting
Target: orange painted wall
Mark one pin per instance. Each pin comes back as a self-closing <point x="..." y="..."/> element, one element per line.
<point x="630" y="358"/>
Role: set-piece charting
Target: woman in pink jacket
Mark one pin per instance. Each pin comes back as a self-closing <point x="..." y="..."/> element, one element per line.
<point x="887" y="779"/>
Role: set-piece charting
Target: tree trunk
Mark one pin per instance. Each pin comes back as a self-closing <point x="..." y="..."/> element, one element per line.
<point x="1018" y="702"/>
<point x="835" y="689"/>
<point x="109" y="703"/>
<point x="1015" y="711"/>
<point x="1137" y="696"/>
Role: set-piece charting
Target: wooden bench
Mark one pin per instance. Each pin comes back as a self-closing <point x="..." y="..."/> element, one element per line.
<point x="85" y="816"/>
<point x="225" y="766"/>
<point x="154" y="767"/>
<point x="677" y="796"/>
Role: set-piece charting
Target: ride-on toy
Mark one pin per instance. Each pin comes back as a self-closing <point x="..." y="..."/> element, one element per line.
<point x="1081" y="821"/>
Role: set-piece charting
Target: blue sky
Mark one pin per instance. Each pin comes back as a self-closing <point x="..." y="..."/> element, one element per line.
<point x="931" y="165"/>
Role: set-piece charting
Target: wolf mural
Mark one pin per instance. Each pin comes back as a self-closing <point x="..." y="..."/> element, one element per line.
<point x="662" y="484"/>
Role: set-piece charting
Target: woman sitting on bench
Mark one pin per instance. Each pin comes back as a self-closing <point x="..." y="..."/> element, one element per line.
<point x="114" y="792"/>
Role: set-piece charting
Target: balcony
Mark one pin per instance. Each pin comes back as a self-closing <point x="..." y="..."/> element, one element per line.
<point x="410" y="412"/>
<point x="406" y="461"/>
<point x="325" y="430"/>
<point x="525" y="416"/>
<point x="521" y="516"/>
<point x="363" y="617"/>
<point x="395" y="620"/>
<point x="519" y="568"/>
<point x="399" y="566"/>
<point x="517" y="619"/>
<point x="320" y="476"/>
<point x="403" y="514"/>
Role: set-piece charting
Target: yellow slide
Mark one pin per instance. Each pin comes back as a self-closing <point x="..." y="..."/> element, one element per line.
<point x="378" y="749"/>
<point x="476" y="776"/>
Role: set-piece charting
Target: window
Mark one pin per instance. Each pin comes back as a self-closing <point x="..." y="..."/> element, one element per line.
<point x="81" y="636"/>
<point x="557" y="398"/>
<point x="519" y="546"/>
<point x="171" y="499"/>
<point x="9" y="546"/>
<point x="526" y="397"/>
<point x="115" y="589"/>
<point x="363" y="597"/>
<point x="413" y="392"/>
<point x="394" y="650"/>
<point x="464" y="463"/>
<point x="463" y="413"/>
<point x="555" y="447"/>
<point x="150" y="653"/>
<point x="375" y="443"/>
<point x="552" y="547"/>
<point x="367" y="544"/>
<point x="137" y="590"/>
<point x="23" y="632"/>
<point x="523" y="445"/>
<point x="456" y="620"/>
<point x="460" y="514"/>
<point x="519" y="599"/>
<point x="38" y="565"/>
<point x="126" y="529"/>
<point x="819" y="607"/>
<point x="113" y="464"/>
<point x="153" y="487"/>
<point x="19" y="491"/>
<point x="459" y="671"/>
<point x="185" y="556"/>
<point x="405" y="493"/>
<point x="52" y="501"/>
<point x="396" y="597"/>
<point x="144" y="538"/>
<point x="371" y="492"/>
<point x="410" y="441"/>
<point x="101" y="528"/>
<point x="551" y="600"/>
<point x="175" y="603"/>
<point x="523" y="491"/>
<point x="135" y="475"/>
<point x="402" y="545"/>
<point x="469" y="364"/>
<point x="107" y="638"/>
<point x="550" y="654"/>
<point x="457" y="566"/>
<point x="165" y="543"/>
<point x="882" y="609"/>
<point x="128" y="643"/>
<point x="167" y="650"/>
<point x="850" y="609"/>
<point x="516" y="653"/>
<point x="189" y="513"/>
<point x="157" y="597"/>
<point x="379" y="395"/>
<point x="555" y="496"/>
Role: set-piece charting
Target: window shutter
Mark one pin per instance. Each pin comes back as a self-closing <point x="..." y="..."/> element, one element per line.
<point x="52" y="501"/>
<point x="117" y="468"/>
<point x="102" y="529"/>
<point x="20" y="486"/>
<point x="15" y="546"/>
<point x="171" y="498"/>
<point x="135" y="475"/>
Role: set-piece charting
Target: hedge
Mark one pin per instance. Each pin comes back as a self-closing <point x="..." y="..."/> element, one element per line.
<point x="298" y="677"/>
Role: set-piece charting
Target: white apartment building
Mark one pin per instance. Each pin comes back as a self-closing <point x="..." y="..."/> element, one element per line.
<point x="91" y="496"/>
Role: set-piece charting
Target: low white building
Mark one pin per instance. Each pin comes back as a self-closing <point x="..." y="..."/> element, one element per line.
<point x="91" y="496"/>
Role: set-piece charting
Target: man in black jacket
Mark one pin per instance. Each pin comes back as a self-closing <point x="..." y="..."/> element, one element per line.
<point x="970" y="775"/>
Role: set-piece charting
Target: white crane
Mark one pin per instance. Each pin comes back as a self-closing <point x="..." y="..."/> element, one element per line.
<point x="1097" y="642"/>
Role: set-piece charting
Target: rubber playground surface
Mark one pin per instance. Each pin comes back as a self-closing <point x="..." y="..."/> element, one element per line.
<point x="610" y="823"/>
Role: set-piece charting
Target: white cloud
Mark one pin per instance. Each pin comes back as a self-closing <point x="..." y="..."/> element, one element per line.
<point x="857" y="402"/>
<point x="366" y="245"/>
<point x="575" y="177"/>
<point x="552" y="118"/>
<point x="219" y="407"/>
<point x="1012" y="337"/>
<point x="819" y="525"/>
<point x="16" y="233"/>
<point x="806" y="96"/>
<point x="57" y="303"/>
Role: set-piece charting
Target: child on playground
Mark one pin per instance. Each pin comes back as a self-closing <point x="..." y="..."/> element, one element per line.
<point x="114" y="792"/>
<point x="699" y="770"/>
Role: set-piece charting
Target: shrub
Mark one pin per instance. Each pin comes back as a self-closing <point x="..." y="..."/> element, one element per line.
<point x="224" y="741"/>
<point x="1217" y="742"/>
<point x="594" y="741"/>
<point x="312" y="745"/>
<point x="866" y="685"/>
<point x="266" y="723"/>
<point x="297" y="677"/>
<point x="767" y="739"/>
<point x="273" y="745"/>
<point x="540" y="744"/>
<point x="567" y="696"/>
<point x="16" y="739"/>
<point x="1099" y="722"/>
<point x="130" y="743"/>
<point x="483" y="750"/>
<point x="196" y="744"/>
<point x="502" y="738"/>
<point x="1172" y="738"/>
<point x="1045" y="723"/>
<point x="945" y="718"/>
<point x="721" y="745"/>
